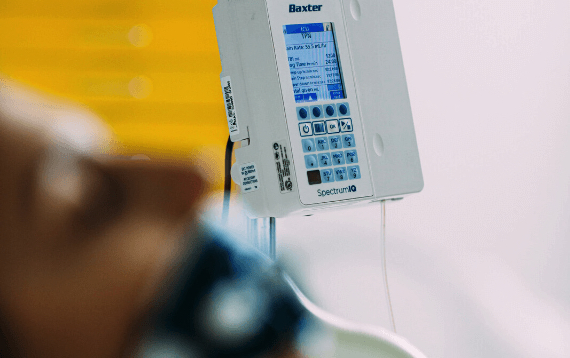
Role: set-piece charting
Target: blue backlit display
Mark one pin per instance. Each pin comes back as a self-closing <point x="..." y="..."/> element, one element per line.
<point x="314" y="62"/>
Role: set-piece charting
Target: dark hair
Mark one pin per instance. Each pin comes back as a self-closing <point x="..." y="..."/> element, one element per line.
<point x="7" y="346"/>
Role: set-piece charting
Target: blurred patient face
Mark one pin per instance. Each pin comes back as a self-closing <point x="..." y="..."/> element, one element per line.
<point x="84" y="240"/>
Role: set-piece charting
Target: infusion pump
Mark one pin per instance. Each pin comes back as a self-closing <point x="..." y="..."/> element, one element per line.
<point x="317" y="96"/>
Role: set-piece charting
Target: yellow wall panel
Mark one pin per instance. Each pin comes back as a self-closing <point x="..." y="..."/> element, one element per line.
<point x="150" y="68"/>
<point x="107" y="9"/>
<point x="106" y="60"/>
<point x="172" y="35"/>
<point x="198" y="88"/>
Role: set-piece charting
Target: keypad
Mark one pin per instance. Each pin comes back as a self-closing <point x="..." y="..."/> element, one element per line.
<point x="333" y="134"/>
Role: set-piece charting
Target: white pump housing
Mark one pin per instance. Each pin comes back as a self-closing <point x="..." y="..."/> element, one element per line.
<point x="317" y="96"/>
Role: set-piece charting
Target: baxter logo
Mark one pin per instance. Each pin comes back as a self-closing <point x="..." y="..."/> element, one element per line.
<point x="308" y="8"/>
<point x="348" y="189"/>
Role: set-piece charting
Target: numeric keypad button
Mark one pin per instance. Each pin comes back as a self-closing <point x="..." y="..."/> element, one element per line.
<point x="311" y="161"/>
<point x="351" y="157"/>
<point x="327" y="176"/>
<point x="322" y="143"/>
<point x="338" y="158"/>
<point x="309" y="145"/>
<point x="348" y="141"/>
<point x="354" y="172"/>
<point x="340" y="174"/>
<point x="325" y="160"/>
<point x="335" y="142"/>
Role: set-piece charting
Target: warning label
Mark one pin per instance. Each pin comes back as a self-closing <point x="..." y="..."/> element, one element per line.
<point x="249" y="178"/>
<point x="230" y="105"/>
<point x="283" y="165"/>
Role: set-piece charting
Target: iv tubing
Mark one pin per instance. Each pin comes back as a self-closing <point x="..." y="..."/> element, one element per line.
<point x="227" y="180"/>
<point x="385" y="273"/>
<point x="376" y="338"/>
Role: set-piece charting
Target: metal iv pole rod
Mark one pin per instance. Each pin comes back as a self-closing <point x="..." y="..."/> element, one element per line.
<point x="262" y="235"/>
<point x="272" y="240"/>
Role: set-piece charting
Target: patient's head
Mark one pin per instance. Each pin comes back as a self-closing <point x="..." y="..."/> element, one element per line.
<point x="84" y="239"/>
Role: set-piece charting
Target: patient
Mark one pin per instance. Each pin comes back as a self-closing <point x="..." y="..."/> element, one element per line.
<point x="86" y="240"/>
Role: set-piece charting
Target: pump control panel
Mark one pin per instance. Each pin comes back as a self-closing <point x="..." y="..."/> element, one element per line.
<point x="317" y="96"/>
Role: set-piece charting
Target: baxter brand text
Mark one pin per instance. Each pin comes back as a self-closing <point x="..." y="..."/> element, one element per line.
<point x="308" y="8"/>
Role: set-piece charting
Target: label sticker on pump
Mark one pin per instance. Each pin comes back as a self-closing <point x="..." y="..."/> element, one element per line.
<point x="230" y="105"/>
<point x="249" y="178"/>
<point x="283" y="165"/>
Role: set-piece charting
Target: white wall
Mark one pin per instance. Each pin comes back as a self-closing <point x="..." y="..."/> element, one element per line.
<point x="479" y="262"/>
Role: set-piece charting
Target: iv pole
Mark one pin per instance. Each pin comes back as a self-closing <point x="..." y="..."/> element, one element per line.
<point x="261" y="233"/>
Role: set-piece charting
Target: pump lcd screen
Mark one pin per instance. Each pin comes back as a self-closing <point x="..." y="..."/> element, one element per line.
<point x="314" y="62"/>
